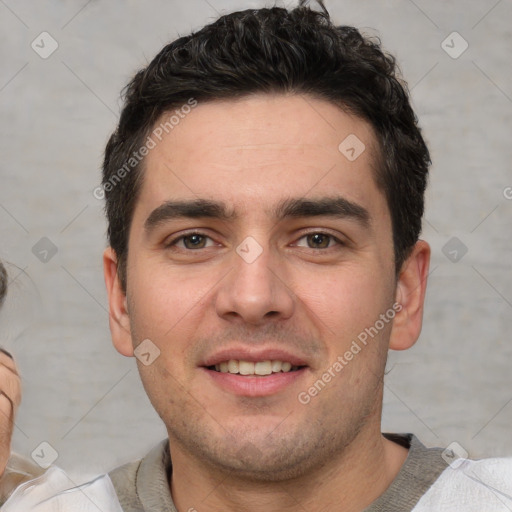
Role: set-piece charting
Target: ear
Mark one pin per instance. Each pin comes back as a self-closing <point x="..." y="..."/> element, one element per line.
<point x="119" y="318"/>
<point x="410" y="295"/>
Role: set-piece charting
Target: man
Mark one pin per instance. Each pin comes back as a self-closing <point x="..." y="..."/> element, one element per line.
<point x="264" y="193"/>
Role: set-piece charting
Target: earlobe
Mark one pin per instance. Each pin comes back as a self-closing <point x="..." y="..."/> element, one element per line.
<point x="119" y="318"/>
<point x="410" y="295"/>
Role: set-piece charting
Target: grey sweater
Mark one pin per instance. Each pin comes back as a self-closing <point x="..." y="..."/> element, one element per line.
<point x="143" y="486"/>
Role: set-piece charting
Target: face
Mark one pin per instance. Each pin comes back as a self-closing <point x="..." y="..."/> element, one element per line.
<point x="258" y="246"/>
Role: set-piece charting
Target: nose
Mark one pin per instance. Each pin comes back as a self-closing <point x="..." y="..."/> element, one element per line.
<point x="255" y="291"/>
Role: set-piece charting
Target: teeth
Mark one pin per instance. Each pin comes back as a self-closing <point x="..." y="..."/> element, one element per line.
<point x="276" y="366"/>
<point x="249" y="368"/>
<point x="232" y="366"/>
<point x="263" y="368"/>
<point x="246" y="368"/>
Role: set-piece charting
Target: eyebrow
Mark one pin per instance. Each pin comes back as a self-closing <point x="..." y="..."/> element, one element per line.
<point x="338" y="207"/>
<point x="192" y="209"/>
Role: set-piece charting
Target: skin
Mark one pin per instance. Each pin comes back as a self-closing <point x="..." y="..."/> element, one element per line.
<point x="233" y="452"/>
<point x="10" y="398"/>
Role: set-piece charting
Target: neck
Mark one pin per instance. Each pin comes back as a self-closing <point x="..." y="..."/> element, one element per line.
<point x="349" y="482"/>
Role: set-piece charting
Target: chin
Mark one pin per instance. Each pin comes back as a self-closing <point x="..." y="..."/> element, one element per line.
<point x="261" y="454"/>
<point x="264" y="465"/>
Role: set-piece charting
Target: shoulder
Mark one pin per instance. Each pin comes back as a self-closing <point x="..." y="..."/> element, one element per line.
<point x="18" y="471"/>
<point x="143" y="484"/>
<point x="52" y="489"/>
<point x="29" y="487"/>
<point x="469" y="485"/>
<point x="124" y="480"/>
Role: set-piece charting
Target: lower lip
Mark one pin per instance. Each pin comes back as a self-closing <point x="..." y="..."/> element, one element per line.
<point x="254" y="385"/>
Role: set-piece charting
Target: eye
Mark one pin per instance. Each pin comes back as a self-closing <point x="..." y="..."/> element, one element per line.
<point x="192" y="241"/>
<point x="319" y="240"/>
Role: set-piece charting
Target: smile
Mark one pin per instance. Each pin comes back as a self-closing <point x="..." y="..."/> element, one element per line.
<point x="262" y="368"/>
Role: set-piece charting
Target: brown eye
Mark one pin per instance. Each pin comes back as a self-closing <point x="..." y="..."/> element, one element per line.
<point x="191" y="241"/>
<point x="194" y="241"/>
<point x="318" y="240"/>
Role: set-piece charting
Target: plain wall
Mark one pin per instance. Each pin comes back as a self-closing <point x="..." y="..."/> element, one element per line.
<point x="84" y="398"/>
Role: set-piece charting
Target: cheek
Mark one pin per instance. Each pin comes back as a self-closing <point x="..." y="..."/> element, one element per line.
<point x="344" y="301"/>
<point x="165" y="307"/>
<point x="159" y="299"/>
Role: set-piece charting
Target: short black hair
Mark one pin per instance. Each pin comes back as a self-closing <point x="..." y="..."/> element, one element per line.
<point x="273" y="50"/>
<point x="3" y="283"/>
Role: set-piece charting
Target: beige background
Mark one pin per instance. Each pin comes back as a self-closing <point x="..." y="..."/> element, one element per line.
<point x="55" y="115"/>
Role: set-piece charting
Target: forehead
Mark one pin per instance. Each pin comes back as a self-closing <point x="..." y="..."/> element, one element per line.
<point x="254" y="151"/>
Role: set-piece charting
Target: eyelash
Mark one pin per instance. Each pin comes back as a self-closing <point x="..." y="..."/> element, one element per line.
<point x="175" y="241"/>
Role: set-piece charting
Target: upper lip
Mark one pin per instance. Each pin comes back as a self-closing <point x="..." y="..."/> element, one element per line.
<point x="254" y="355"/>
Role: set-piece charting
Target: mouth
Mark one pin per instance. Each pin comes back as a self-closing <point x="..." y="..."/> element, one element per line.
<point x="254" y="368"/>
<point x="252" y="375"/>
